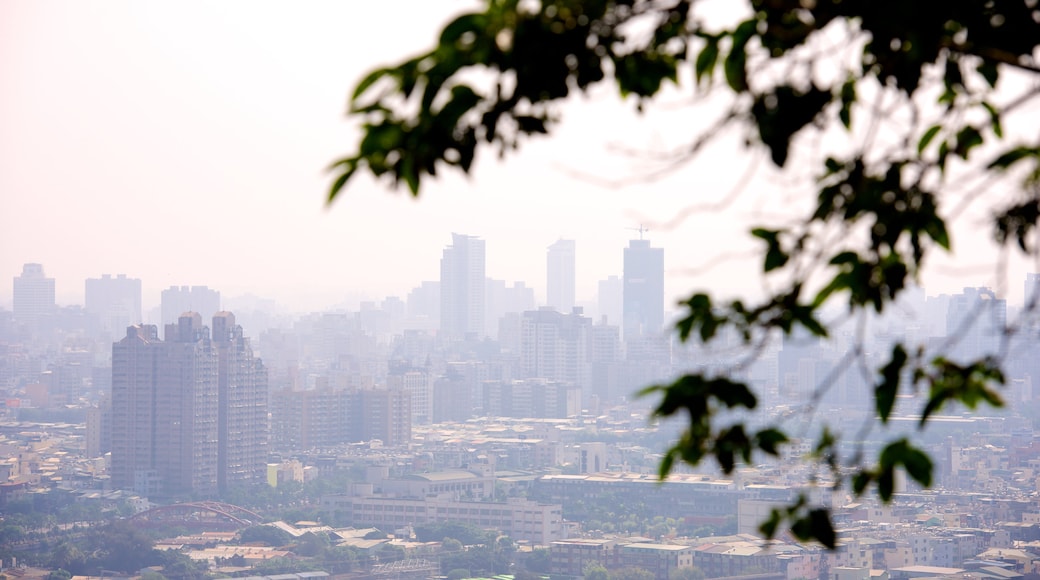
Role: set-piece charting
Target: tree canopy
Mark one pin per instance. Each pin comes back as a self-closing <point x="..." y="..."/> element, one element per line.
<point x="914" y="101"/>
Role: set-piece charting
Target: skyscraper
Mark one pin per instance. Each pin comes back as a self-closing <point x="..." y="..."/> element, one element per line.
<point x="559" y="275"/>
<point x="164" y="410"/>
<point x="977" y="321"/>
<point x="177" y="300"/>
<point x="33" y="296"/>
<point x="115" y="302"/>
<point x="643" y="289"/>
<point x="609" y="299"/>
<point x="189" y="413"/>
<point x="555" y="346"/>
<point x="462" y="287"/>
<point x="242" y="437"/>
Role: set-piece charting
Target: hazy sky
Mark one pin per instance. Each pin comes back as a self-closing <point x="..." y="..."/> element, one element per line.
<point x="185" y="143"/>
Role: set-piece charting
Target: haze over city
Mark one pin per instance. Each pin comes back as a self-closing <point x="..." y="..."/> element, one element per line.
<point x="188" y="144"/>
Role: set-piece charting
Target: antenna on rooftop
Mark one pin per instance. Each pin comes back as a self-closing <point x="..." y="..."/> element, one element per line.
<point x="641" y="229"/>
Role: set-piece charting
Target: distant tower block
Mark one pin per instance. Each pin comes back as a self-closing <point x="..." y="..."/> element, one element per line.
<point x="463" y="287"/>
<point x="643" y="289"/>
<point x="559" y="275"/>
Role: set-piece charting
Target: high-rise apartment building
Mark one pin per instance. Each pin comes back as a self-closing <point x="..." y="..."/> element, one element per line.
<point x="559" y="275"/>
<point x="384" y="414"/>
<point x="242" y="432"/>
<point x="164" y="410"/>
<point x="188" y="412"/>
<point x="177" y="300"/>
<point x="418" y="384"/>
<point x="114" y="302"/>
<point x="555" y="346"/>
<point x="501" y="300"/>
<point x="33" y="296"/>
<point x="608" y="297"/>
<point x="976" y="321"/>
<point x="462" y="287"/>
<point x="643" y="289"/>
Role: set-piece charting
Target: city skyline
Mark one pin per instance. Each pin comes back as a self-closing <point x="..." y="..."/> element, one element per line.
<point x="202" y="127"/>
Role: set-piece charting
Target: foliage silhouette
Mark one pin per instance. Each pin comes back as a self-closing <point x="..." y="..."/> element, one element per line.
<point x="912" y="93"/>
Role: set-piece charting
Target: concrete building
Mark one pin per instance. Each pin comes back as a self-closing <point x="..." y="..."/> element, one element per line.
<point x="559" y="276"/>
<point x="242" y="423"/>
<point x="114" y="302"/>
<point x="555" y="346"/>
<point x="660" y="559"/>
<point x="177" y="300"/>
<point x="609" y="299"/>
<point x="462" y="288"/>
<point x="419" y="385"/>
<point x="33" y="296"/>
<point x="517" y="518"/>
<point x="571" y="557"/>
<point x="164" y="410"/>
<point x="382" y="413"/>
<point x="532" y="398"/>
<point x="643" y="289"/>
<point x="311" y="419"/>
<point x="188" y="413"/>
<point x="978" y="320"/>
<point x="502" y="300"/>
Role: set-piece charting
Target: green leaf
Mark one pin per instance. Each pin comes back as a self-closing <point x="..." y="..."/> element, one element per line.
<point x="816" y="525"/>
<point x="706" y="59"/>
<point x="775" y="255"/>
<point x="349" y="166"/>
<point x="927" y="138"/>
<point x="848" y="98"/>
<point x="1013" y="156"/>
<point x="885" y="391"/>
<point x="967" y="139"/>
<point x="735" y="65"/>
<point x="989" y="71"/>
<point x="860" y="481"/>
<point x="666" y="464"/>
<point x="994" y="119"/>
<point x="769" y="440"/>
<point x="769" y="526"/>
<point x="368" y="81"/>
<point x="915" y="462"/>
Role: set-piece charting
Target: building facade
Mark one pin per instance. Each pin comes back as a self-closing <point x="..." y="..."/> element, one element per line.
<point x="242" y="423"/>
<point x="177" y="300"/>
<point x="642" y="289"/>
<point x="559" y="275"/>
<point x="33" y="296"/>
<point x="462" y="287"/>
<point x="188" y="412"/>
<point x="114" y="302"/>
<point x="164" y="410"/>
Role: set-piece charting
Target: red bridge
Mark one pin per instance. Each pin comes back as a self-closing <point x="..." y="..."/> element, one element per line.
<point x="209" y="516"/>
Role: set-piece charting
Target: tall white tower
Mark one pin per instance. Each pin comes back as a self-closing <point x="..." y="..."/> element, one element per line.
<point x="463" y="287"/>
<point x="559" y="276"/>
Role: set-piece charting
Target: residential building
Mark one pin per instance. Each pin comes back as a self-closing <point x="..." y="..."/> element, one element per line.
<point x="177" y="300"/>
<point x="115" y="303"/>
<point x="242" y="423"/>
<point x="559" y="275"/>
<point x="520" y="519"/>
<point x="164" y="410"/>
<point x="188" y="412"/>
<point x="643" y="289"/>
<point x="978" y="321"/>
<point x="33" y="296"/>
<point x="555" y="346"/>
<point x="462" y="288"/>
